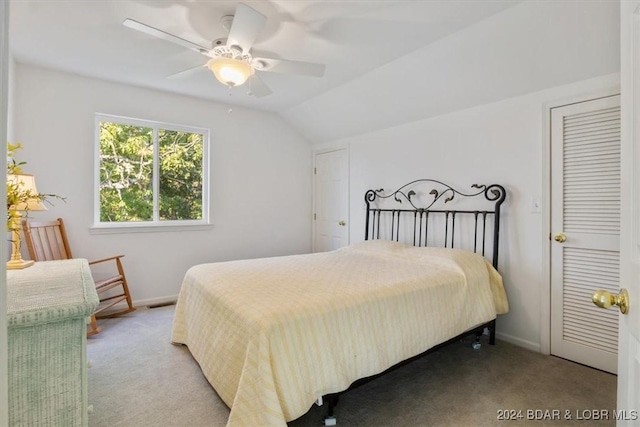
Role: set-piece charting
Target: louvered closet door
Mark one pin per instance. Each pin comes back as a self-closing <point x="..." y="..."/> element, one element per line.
<point x="585" y="181"/>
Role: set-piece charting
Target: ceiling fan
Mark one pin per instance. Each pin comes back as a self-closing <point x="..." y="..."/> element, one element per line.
<point x="231" y="60"/>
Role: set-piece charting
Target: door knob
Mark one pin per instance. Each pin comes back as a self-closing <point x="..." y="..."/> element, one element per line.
<point x="605" y="299"/>
<point x="560" y="238"/>
<point x="342" y="223"/>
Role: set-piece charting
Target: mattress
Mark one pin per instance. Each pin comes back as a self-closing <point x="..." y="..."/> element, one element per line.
<point x="272" y="335"/>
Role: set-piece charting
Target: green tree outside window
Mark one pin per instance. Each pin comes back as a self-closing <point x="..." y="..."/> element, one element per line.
<point x="131" y="155"/>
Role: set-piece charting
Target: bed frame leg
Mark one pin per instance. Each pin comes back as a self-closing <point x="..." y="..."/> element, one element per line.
<point x="491" y="328"/>
<point x="476" y="342"/>
<point x="332" y="401"/>
<point x="492" y="332"/>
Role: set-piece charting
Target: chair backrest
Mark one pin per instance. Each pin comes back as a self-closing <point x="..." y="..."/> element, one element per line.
<point x="47" y="241"/>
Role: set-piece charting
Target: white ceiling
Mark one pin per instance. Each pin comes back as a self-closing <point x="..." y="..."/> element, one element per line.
<point x="351" y="37"/>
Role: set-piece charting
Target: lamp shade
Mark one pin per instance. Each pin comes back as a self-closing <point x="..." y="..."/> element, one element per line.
<point x="25" y="185"/>
<point x="231" y="72"/>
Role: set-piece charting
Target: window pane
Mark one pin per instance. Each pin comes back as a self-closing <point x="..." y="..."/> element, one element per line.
<point x="126" y="169"/>
<point x="180" y="175"/>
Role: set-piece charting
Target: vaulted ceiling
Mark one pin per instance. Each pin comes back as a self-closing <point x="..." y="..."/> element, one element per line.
<point x="387" y="62"/>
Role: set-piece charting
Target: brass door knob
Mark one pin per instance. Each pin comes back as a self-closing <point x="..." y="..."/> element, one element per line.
<point x="560" y="238"/>
<point x="605" y="299"/>
<point x="342" y="223"/>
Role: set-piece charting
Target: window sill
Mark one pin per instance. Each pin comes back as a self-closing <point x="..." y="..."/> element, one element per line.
<point x="147" y="228"/>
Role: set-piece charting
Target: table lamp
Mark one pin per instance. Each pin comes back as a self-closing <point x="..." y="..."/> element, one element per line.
<point x="23" y="184"/>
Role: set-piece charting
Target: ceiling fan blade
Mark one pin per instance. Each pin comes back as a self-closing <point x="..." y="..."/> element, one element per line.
<point x="187" y="72"/>
<point x="258" y="88"/>
<point x="247" y="24"/>
<point x="164" y="35"/>
<point x="291" y="67"/>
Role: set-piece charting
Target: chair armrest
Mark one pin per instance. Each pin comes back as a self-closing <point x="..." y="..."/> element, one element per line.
<point x="106" y="259"/>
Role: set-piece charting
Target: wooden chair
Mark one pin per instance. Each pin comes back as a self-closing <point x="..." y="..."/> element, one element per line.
<point x="47" y="241"/>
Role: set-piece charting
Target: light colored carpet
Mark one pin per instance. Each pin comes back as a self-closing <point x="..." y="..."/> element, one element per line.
<point x="138" y="379"/>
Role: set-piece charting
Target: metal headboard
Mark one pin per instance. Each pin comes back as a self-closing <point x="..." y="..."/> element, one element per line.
<point x="427" y="199"/>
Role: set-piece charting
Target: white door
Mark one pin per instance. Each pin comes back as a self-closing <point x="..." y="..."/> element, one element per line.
<point x="585" y="224"/>
<point x="4" y="89"/>
<point x="331" y="200"/>
<point x="629" y="336"/>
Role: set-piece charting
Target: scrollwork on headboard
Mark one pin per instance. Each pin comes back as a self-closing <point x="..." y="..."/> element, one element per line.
<point x="434" y="202"/>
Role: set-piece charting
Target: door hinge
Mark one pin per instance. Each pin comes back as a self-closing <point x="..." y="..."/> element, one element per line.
<point x="314" y="217"/>
<point x="315" y="171"/>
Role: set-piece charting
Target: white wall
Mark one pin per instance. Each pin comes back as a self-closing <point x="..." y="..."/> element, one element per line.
<point x="498" y="143"/>
<point x="528" y="47"/>
<point x="260" y="176"/>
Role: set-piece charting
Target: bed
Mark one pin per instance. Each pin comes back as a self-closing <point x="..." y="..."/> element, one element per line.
<point x="274" y="335"/>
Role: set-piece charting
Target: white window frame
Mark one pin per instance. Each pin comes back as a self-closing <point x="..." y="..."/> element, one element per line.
<point x="155" y="224"/>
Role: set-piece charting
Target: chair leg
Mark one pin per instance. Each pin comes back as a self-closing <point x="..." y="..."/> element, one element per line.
<point x="115" y="314"/>
<point x="113" y="301"/>
<point x="125" y="285"/>
<point x="93" y="326"/>
<point x="116" y="299"/>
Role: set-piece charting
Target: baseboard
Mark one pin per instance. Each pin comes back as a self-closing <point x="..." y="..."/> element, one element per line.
<point x="519" y="342"/>
<point x="150" y="302"/>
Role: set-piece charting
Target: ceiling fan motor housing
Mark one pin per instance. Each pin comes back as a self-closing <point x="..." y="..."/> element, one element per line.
<point x="230" y="57"/>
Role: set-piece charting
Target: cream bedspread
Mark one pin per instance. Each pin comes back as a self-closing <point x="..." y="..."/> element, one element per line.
<point x="272" y="335"/>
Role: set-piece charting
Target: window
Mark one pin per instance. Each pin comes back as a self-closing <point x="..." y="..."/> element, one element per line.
<point x="150" y="173"/>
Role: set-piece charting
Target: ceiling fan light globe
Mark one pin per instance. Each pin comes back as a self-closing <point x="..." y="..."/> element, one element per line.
<point x="230" y="72"/>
